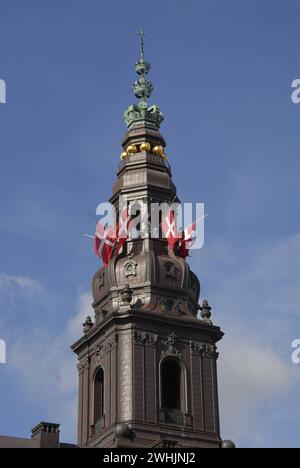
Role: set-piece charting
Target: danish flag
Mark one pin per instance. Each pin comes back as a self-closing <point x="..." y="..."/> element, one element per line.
<point x="107" y="238"/>
<point x="123" y="228"/>
<point x="105" y="241"/>
<point x="187" y="240"/>
<point x="123" y="224"/>
<point x="169" y="229"/>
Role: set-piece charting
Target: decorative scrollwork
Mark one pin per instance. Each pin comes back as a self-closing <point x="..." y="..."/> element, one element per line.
<point x="145" y="337"/>
<point x="204" y="349"/>
<point x="84" y="364"/>
<point x="130" y="268"/>
<point x="170" y="348"/>
<point x="104" y="348"/>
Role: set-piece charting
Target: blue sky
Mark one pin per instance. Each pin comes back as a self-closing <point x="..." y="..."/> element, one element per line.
<point x="222" y="73"/>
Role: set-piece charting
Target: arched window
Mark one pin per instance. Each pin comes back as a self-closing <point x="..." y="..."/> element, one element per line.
<point x="99" y="395"/>
<point x="171" y="384"/>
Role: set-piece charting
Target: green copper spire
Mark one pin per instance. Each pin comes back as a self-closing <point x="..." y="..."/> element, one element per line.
<point x="141" y="114"/>
<point x="142" y="87"/>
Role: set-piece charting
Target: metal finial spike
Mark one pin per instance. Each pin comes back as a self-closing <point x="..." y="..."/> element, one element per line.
<point x="142" y="35"/>
<point x="142" y="87"/>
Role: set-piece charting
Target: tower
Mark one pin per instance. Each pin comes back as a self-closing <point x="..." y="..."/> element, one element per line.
<point x="147" y="365"/>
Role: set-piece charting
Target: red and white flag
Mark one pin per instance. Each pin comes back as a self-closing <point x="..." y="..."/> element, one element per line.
<point x="169" y="229"/>
<point x="188" y="239"/>
<point x="123" y="228"/>
<point x="123" y="224"/>
<point x="105" y="241"/>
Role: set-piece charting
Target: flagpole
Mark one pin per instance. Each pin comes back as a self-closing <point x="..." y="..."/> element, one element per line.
<point x="91" y="215"/>
<point x="199" y="219"/>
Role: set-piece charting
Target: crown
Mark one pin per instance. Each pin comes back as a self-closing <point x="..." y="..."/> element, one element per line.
<point x="141" y="114"/>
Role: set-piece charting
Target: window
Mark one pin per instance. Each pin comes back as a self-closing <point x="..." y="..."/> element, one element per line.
<point x="99" y="395"/>
<point x="171" y="384"/>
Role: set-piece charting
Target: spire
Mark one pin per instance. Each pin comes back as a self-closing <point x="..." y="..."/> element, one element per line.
<point x="142" y="87"/>
<point x="141" y="114"/>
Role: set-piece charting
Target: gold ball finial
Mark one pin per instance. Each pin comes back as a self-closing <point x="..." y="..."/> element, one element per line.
<point x="145" y="147"/>
<point x="131" y="149"/>
<point x="158" y="150"/>
<point x="124" y="155"/>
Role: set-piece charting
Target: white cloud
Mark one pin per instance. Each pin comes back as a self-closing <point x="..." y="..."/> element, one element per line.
<point x="46" y="367"/>
<point x="251" y="377"/>
<point x="11" y="284"/>
<point x="264" y="297"/>
<point x="256" y="302"/>
<point x="16" y="290"/>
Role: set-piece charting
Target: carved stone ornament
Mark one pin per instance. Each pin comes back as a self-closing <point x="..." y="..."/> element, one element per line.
<point x="204" y="349"/>
<point x="145" y="337"/>
<point x="171" y="274"/>
<point x="130" y="268"/>
<point x="139" y="303"/>
<point x="170" y="348"/>
<point x="206" y="312"/>
<point x="126" y="294"/>
<point x="180" y="307"/>
<point x="164" y="304"/>
<point x="100" y="278"/>
<point x="105" y="347"/>
<point x="171" y="270"/>
<point x="84" y="364"/>
<point x="87" y="325"/>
